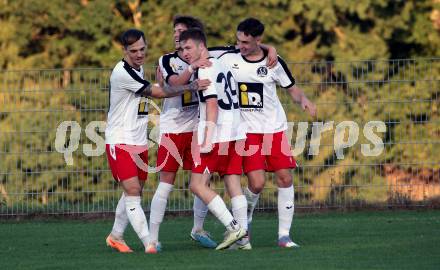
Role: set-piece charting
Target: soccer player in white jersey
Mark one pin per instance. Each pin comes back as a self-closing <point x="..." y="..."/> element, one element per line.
<point x="178" y="119"/>
<point x="217" y="133"/>
<point x="267" y="147"/>
<point x="126" y="135"/>
<point x="177" y="122"/>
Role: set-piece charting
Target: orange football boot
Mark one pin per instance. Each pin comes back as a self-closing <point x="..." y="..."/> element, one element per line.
<point x="118" y="244"/>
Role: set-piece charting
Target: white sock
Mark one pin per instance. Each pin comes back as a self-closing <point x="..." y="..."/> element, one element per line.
<point x="218" y="207"/>
<point x="121" y="219"/>
<point x="286" y="207"/>
<point x="157" y="209"/>
<point x="200" y="211"/>
<point x="239" y="210"/>
<point x="137" y="217"/>
<point x="252" y="200"/>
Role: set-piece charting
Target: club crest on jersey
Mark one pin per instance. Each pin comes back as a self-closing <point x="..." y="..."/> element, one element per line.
<point x="262" y="71"/>
<point x="251" y="95"/>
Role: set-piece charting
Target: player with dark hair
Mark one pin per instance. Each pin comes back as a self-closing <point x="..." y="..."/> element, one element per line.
<point x="126" y="135"/>
<point x="178" y="119"/>
<point x="266" y="144"/>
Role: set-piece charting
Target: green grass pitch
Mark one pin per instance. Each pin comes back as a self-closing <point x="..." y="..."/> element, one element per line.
<point x="353" y="240"/>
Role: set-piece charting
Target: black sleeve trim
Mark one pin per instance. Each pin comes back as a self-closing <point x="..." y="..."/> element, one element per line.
<point x="210" y="96"/>
<point x="141" y="89"/>
<point x="135" y="77"/>
<point x="166" y="65"/>
<point x="233" y="51"/>
<point x="204" y="98"/>
<point x="290" y="85"/>
<point x="196" y="74"/>
<point x="289" y="74"/>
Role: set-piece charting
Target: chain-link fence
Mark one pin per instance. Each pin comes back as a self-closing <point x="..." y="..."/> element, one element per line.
<point x="375" y="140"/>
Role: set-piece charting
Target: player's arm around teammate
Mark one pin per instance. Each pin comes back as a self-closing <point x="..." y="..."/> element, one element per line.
<point x="267" y="122"/>
<point x="125" y="135"/>
<point x="178" y="120"/>
<point x="216" y="151"/>
<point x="158" y="91"/>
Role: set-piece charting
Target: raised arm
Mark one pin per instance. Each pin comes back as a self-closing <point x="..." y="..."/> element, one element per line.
<point x="185" y="76"/>
<point x="181" y="78"/>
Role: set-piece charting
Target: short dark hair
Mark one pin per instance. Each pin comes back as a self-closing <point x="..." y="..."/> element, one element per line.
<point x="195" y="34"/>
<point x="131" y="36"/>
<point x="251" y="26"/>
<point x="188" y="21"/>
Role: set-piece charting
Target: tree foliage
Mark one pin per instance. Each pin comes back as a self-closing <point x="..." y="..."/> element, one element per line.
<point x="341" y="53"/>
<point x="59" y="34"/>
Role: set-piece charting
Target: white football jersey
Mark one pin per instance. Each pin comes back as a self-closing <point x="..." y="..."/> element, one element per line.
<point x="259" y="104"/>
<point x="223" y="88"/>
<point x="180" y="113"/>
<point x="127" y="117"/>
<point x="216" y="52"/>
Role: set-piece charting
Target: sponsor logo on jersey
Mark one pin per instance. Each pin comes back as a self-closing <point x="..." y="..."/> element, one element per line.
<point x="189" y="99"/>
<point x="262" y="71"/>
<point x="176" y="67"/>
<point x="251" y="95"/>
<point x="235" y="66"/>
<point x="143" y="108"/>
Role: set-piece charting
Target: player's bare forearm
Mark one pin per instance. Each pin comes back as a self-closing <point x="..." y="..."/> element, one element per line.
<point x="211" y="120"/>
<point x="159" y="76"/>
<point x="185" y="76"/>
<point x="158" y="91"/>
<point x="181" y="79"/>
<point x="296" y="93"/>
<point x="298" y="96"/>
